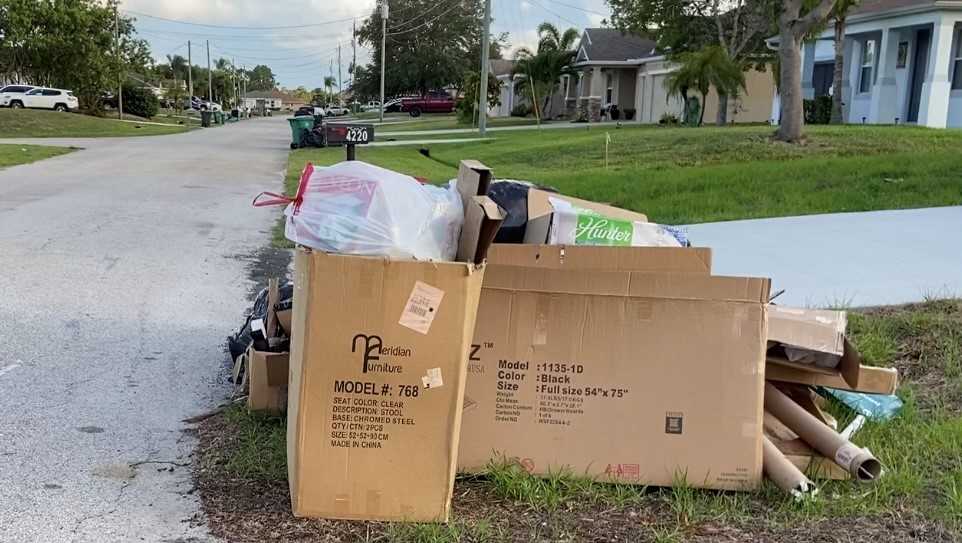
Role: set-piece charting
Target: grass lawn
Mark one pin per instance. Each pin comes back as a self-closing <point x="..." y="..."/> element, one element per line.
<point x="11" y="155"/>
<point x="692" y="175"/>
<point x="30" y="123"/>
<point x="402" y="122"/>
<point x="241" y="472"/>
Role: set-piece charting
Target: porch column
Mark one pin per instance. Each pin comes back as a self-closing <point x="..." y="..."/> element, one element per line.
<point x="597" y="82"/>
<point x="934" y="106"/>
<point x="808" y="70"/>
<point x="640" y="85"/>
<point x="848" y="59"/>
<point x="883" y="108"/>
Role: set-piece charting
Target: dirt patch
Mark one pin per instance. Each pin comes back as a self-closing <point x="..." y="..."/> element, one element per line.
<point x="241" y="509"/>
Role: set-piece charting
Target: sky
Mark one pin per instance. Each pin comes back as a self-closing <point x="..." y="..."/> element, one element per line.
<point x="306" y="51"/>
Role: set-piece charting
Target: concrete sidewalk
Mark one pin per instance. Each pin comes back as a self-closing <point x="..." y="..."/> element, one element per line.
<point x="844" y="259"/>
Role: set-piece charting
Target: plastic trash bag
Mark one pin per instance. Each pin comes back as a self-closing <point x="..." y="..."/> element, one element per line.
<point x="360" y="209"/>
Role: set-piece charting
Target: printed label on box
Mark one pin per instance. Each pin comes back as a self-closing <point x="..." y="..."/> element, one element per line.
<point x="421" y="307"/>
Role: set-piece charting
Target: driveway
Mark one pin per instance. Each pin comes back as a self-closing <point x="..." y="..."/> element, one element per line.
<point x="844" y="259"/>
<point x="125" y="265"/>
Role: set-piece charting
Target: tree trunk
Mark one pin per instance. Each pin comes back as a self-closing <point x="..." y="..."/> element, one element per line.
<point x="701" y="117"/>
<point x="722" y="109"/>
<point x="839" y="71"/>
<point x="790" y="86"/>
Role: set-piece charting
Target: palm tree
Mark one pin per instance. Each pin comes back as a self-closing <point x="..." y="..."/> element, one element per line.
<point x="329" y="83"/>
<point x="840" y="14"/>
<point x="178" y="66"/>
<point x="702" y="70"/>
<point x="543" y="70"/>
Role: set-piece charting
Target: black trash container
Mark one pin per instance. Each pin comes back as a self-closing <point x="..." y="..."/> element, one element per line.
<point x="205" y="117"/>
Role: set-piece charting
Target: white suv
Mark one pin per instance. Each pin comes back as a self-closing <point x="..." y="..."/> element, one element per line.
<point x="9" y="93"/>
<point x="47" y="98"/>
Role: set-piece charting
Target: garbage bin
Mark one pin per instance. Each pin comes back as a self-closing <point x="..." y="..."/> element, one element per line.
<point x="219" y="117"/>
<point x="205" y="119"/>
<point x="298" y="126"/>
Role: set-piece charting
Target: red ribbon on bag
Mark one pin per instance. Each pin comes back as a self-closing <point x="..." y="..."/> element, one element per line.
<point x="282" y="200"/>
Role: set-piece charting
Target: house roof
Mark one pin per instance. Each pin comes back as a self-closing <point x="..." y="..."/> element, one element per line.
<point x="878" y="6"/>
<point x="611" y="45"/>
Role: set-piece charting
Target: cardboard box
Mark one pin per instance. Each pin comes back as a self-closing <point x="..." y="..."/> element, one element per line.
<point x="267" y="379"/>
<point x="378" y="360"/>
<point x="628" y="376"/>
<point x="540" y="212"/>
<point x="815" y="330"/>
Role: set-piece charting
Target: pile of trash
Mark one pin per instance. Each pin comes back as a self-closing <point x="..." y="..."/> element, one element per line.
<point x="431" y="330"/>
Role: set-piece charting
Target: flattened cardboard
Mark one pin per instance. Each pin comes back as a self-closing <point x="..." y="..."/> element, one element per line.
<point x="267" y="379"/>
<point x="603" y="374"/>
<point x="482" y="215"/>
<point x="540" y="211"/>
<point x="871" y="380"/>
<point x="366" y="439"/>
<point x="580" y="257"/>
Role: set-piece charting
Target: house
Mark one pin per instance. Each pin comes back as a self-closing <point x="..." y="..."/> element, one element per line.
<point x="273" y="99"/>
<point x="501" y="69"/>
<point x="629" y="72"/>
<point x="903" y="63"/>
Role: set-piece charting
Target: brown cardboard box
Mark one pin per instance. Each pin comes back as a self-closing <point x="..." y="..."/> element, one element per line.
<point x="540" y="211"/>
<point x="378" y="361"/>
<point x="629" y="376"/>
<point x="268" y="381"/>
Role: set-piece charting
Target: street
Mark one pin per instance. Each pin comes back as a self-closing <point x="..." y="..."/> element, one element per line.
<point x="125" y="266"/>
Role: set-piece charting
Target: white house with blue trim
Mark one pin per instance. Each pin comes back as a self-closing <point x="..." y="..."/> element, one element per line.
<point x="903" y="63"/>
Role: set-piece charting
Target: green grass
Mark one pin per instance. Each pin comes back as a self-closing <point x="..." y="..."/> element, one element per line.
<point x="682" y="175"/>
<point x="29" y="123"/>
<point x="921" y="450"/>
<point x="11" y="154"/>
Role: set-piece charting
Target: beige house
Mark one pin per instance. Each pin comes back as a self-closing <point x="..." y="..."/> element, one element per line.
<point x="274" y="100"/>
<point x="629" y="73"/>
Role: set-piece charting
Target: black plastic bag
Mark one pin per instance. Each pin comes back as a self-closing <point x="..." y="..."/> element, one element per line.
<point x="238" y="343"/>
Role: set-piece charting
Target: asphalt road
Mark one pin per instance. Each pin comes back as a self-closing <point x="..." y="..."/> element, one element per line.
<point x="124" y="267"/>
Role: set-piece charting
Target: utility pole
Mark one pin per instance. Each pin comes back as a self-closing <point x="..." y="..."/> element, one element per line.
<point x="233" y="72"/>
<point x="485" y="46"/>
<point x="120" y="73"/>
<point x="340" y="82"/>
<point x="354" y="58"/>
<point x="190" y="76"/>
<point x="384" y="14"/>
<point x="210" y="79"/>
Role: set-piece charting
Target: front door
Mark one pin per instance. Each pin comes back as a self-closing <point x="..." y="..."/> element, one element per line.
<point x="920" y="64"/>
<point x="823" y="77"/>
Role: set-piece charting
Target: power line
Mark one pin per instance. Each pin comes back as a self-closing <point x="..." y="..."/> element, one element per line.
<point x="206" y="25"/>
<point x="426" y="23"/>
<point x="556" y="14"/>
<point x="420" y="16"/>
<point x="579" y="8"/>
<point x="303" y="56"/>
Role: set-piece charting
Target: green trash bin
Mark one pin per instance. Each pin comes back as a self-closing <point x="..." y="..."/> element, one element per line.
<point x="219" y="117"/>
<point x="298" y="126"/>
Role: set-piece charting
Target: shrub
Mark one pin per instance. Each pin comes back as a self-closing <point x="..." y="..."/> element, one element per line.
<point x="819" y="110"/>
<point x="521" y="110"/>
<point x="629" y="114"/>
<point x="139" y="101"/>
<point x="669" y="119"/>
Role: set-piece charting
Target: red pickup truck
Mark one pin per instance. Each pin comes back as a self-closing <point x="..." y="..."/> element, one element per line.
<point x="440" y="102"/>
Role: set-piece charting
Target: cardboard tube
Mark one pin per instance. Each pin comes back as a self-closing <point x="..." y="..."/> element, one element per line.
<point x="859" y="462"/>
<point x="783" y="473"/>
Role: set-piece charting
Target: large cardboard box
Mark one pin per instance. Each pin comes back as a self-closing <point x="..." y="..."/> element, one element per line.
<point x="631" y="376"/>
<point x="541" y="212"/>
<point x="378" y="361"/>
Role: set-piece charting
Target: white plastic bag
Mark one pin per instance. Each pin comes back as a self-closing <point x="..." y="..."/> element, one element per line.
<point x="361" y="209"/>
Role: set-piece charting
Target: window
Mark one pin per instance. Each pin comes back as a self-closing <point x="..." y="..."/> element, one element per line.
<point x="51" y="92"/>
<point x="609" y="92"/>
<point x="868" y="62"/>
<point x="34" y="92"/>
<point x="957" y="64"/>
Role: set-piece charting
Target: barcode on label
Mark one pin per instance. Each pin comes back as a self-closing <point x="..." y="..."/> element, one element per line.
<point x="421" y="307"/>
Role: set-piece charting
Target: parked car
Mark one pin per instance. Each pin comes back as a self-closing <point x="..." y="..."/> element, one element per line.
<point x="373" y="105"/>
<point x="337" y="110"/>
<point x="435" y="102"/>
<point x="46" y="98"/>
<point x="11" y="93"/>
<point x="203" y="105"/>
<point x="392" y="106"/>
